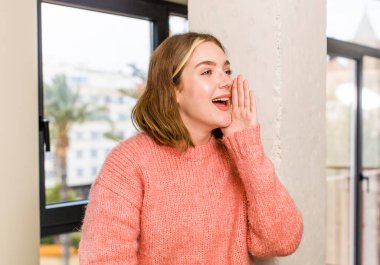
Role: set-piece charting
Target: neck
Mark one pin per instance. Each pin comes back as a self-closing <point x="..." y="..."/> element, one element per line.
<point x="199" y="133"/>
<point x="200" y="139"/>
<point x="198" y="136"/>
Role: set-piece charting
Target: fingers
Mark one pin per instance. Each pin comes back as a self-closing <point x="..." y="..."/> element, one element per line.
<point x="241" y="94"/>
<point x="240" y="91"/>
<point x="252" y="106"/>
<point x="247" y="99"/>
<point x="243" y="106"/>
<point x="234" y="95"/>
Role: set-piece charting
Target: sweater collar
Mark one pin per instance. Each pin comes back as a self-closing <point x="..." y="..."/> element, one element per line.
<point x="199" y="152"/>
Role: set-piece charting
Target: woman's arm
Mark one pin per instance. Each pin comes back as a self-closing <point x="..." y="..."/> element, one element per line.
<point x="274" y="223"/>
<point x="111" y="225"/>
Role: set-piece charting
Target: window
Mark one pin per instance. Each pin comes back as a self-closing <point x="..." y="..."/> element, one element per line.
<point x="355" y="21"/>
<point x="62" y="247"/>
<point x="371" y="160"/>
<point x="94" y="171"/>
<point x="79" y="154"/>
<point x="178" y="24"/>
<point x="96" y="58"/>
<point x="93" y="58"/>
<point x="353" y="157"/>
<point x="339" y="121"/>
<point x="353" y="132"/>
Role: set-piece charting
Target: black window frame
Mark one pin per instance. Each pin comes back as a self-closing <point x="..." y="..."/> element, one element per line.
<point x="356" y="52"/>
<point x="67" y="217"/>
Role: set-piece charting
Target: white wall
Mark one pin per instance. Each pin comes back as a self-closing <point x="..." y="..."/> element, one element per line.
<point x="19" y="206"/>
<point x="280" y="47"/>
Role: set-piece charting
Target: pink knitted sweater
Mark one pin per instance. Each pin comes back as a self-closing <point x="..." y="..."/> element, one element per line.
<point x="213" y="204"/>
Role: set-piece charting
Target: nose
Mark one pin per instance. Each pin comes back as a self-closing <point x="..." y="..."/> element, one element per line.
<point x="225" y="81"/>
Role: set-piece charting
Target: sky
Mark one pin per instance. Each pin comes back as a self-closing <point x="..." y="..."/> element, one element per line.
<point x="109" y="42"/>
<point x="97" y="40"/>
<point x="344" y="17"/>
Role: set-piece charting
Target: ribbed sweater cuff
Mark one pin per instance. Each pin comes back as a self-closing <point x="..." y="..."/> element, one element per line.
<point x="244" y="143"/>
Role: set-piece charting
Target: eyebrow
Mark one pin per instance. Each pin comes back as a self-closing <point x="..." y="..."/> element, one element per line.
<point x="226" y="63"/>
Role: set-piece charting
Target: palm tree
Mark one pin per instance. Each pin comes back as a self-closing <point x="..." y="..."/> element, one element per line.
<point x="64" y="108"/>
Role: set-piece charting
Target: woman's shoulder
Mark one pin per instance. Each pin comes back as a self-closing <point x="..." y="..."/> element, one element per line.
<point x="122" y="168"/>
<point x="133" y="148"/>
<point x="137" y="143"/>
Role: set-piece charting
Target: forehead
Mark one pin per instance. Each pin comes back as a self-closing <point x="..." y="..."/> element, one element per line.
<point x="207" y="51"/>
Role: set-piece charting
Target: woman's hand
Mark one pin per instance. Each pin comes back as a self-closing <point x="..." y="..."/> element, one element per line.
<point x="243" y="107"/>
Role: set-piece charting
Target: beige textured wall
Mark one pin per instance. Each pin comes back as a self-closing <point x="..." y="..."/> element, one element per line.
<point x="19" y="206"/>
<point x="280" y="47"/>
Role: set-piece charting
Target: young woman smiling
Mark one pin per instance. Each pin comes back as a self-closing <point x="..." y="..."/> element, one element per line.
<point x="194" y="187"/>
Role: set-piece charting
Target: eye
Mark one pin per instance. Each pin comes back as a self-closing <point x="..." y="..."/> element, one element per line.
<point x="207" y="72"/>
<point x="228" y="72"/>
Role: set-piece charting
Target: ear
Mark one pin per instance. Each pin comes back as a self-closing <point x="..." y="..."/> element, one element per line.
<point x="178" y="94"/>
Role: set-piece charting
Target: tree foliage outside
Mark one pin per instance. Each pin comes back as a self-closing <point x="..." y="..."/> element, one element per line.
<point x="53" y="195"/>
<point x="64" y="108"/>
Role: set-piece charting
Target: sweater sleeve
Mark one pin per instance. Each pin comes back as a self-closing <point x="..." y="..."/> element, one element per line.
<point x="111" y="226"/>
<point x="274" y="223"/>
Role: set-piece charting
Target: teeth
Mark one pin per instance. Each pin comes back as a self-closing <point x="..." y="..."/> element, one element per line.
<point x="220" y="100"/>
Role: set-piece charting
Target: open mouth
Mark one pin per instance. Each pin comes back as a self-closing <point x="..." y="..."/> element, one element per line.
<point x="222" y="103"/>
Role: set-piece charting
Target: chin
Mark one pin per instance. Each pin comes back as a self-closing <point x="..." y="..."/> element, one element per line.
<point x="225" y="123"/>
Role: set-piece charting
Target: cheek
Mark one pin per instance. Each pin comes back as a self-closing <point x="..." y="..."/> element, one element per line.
<point x="198" y="96"/>
<point x="228" y="117"/>
<point x="200" y="85"/>
<point x="205" y="89"/>
<point x="195" y="92"/>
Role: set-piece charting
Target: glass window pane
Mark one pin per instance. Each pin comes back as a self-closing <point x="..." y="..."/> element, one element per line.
<point x="340" y="91"/>
<point x="60" y="249"/>
<point x="178" y="25"/>
<point x="371" y="161"/>
<point x="94" y="67"/>
<point x="355" y="21"/>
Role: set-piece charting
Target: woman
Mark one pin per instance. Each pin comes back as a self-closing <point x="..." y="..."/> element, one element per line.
<point x="195" y="187"/>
